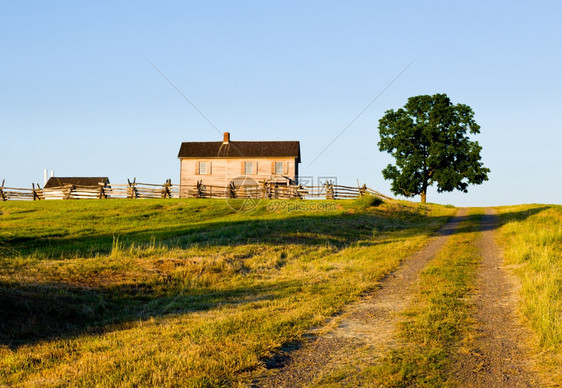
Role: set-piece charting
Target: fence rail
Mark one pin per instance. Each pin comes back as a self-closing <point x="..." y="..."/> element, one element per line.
<point x="137" y="190"/>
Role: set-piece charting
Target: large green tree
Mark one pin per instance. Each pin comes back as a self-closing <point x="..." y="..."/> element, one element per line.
<point x="428" y="137"/>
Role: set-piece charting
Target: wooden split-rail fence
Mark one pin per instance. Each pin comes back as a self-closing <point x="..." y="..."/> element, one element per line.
<point x="135" y="190"/>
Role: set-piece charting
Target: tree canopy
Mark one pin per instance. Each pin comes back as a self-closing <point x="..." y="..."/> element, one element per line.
<point x="428" y="137"/>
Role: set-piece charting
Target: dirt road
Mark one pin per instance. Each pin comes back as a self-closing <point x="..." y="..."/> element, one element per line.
<point x="371" y="323"/>
<point x="366" y="330"/>
<point x="497" y="357"/>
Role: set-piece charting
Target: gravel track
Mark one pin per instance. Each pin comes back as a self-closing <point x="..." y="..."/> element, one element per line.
<point x="370" y="323"/>
<point x="497" y="357"/>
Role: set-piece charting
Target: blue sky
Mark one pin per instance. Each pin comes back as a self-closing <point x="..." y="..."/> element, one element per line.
<point x="79" y="96"/>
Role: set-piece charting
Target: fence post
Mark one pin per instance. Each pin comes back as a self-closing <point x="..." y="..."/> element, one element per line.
<point x="36" y="196"/>
<point x="329" y="190"/>
<point x="199" y="189"/>
<point x="70" y="188"/>
<point x="166" y="189"/>
<point x="2" y="195"/>
<point x="362" y="190"/>
<point x="266" y="190"/>
<point x="296" y="191"/>
<point x="132" y="190"/>
<point x="40" y="192"/>
<point x="101" y="194"/>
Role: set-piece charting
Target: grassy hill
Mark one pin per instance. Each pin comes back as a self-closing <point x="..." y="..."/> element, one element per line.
<point x="172" y="292"/>
<point x="193" y="293"/>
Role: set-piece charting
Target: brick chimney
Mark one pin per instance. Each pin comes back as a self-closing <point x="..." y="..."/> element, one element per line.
<point x="226" y="137"/>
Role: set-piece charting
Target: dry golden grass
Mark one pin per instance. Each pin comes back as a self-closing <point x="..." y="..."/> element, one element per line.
<point x="182" y="293"/>
<point x="532" y="240"/>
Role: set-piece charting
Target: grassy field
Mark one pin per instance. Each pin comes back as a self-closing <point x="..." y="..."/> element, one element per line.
<point x="183" y="293"/>
<point x="532" y="239"/>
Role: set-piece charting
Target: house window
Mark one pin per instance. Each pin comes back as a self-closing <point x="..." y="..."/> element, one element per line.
<point x="203" y="168"/>
<point x="248" y="168"/>
<point x="278" y="168"/>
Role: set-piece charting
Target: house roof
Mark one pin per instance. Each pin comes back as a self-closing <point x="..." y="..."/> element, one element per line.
<point x="77" y="181"/>
<point x="240" y="149"/>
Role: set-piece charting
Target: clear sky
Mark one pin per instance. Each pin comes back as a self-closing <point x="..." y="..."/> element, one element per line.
<point x="78" y="94"/>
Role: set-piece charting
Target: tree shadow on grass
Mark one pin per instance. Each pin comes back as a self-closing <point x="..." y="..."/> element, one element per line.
<point x="488" y="223"/>
<point x="338" y="230"/>
<point x="34" y="312"/>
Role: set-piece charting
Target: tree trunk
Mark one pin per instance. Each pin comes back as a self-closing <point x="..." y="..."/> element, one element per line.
<point x="424" y="191"/>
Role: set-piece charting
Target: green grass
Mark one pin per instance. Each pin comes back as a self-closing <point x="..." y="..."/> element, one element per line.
<point x="183" y="292"/>
<point x="532" y="239"/>
<point x="438" y="318"/>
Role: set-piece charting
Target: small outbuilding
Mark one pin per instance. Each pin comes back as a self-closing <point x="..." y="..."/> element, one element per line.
<point x="74" y="187"/>
<point x="76" y="181"/>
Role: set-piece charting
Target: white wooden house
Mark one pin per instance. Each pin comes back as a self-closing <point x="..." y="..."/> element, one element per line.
<point x="222" y="163"/>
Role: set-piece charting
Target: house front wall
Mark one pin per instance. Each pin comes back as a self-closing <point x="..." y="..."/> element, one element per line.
<point x="220" y="172"/>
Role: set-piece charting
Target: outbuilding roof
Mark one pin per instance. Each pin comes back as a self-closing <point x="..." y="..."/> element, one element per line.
<point x="240" y="149"/>
<point x="77" y="181"/>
